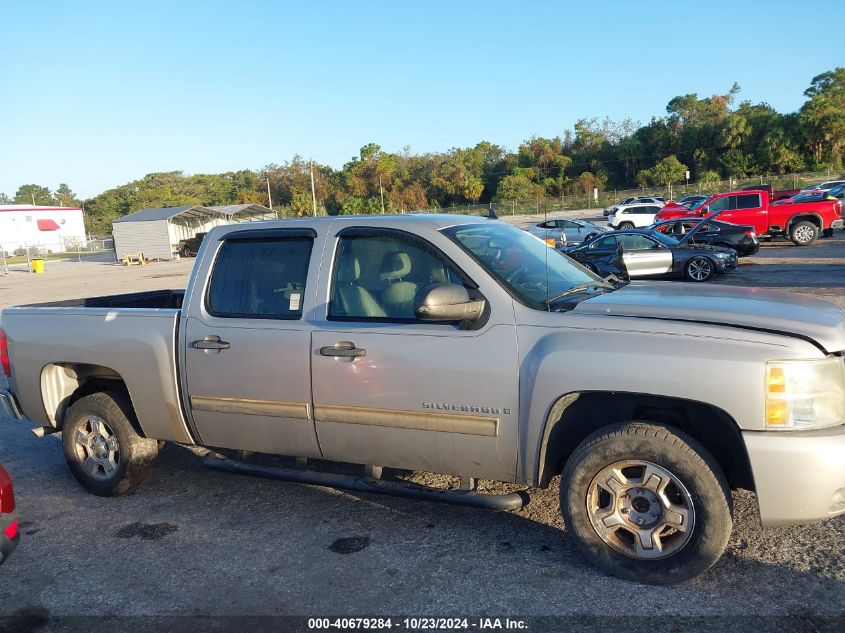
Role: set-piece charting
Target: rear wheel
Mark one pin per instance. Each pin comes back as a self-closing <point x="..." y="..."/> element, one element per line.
<point x="101" y="446"/>
<point x="803" y="233"/>
<point x="626" y="225"/>
<point x="699" y="268"/>
<point x="646" y="503"/>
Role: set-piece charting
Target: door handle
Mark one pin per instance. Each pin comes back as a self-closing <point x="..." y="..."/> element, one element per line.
<point x="343" y="350"/>
<point x="210" y="342"/>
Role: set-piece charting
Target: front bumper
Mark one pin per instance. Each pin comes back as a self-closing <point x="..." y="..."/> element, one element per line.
<point x="799" y="476"/>
<point x="9" y="405"/>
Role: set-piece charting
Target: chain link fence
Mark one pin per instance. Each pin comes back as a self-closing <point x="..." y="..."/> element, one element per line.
<point x="20" y="256"/>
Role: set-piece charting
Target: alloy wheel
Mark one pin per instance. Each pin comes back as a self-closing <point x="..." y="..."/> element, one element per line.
<point x="640" y="509"/>
<point x="97" y="448"/>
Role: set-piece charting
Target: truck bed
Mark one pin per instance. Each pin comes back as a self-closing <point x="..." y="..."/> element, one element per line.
<point x="166" y="299"/>
<point x="130" y="337"/>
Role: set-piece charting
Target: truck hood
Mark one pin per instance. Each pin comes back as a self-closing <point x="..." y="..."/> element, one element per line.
<point x="751" y="308"/>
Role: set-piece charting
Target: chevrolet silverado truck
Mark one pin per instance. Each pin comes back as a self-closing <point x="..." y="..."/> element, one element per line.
<point x="801" y="222"/>
<point x="455" y="345"/>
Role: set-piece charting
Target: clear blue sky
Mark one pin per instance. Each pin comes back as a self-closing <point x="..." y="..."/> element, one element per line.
<point x="96" y="93"/>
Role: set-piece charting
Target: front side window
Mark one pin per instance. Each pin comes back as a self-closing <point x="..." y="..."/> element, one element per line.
<point x="377" y="277"/>
<point x="260" y="279"/>
<point x="531" y="270"/>
<point x="604" y="244"/>
<point x="635" y="242"/>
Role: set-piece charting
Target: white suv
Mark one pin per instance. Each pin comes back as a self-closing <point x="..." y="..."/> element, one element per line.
<point x="633" y="216"/>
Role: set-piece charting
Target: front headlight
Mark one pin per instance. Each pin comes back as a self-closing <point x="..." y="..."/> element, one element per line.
<point x="805" y="394"/>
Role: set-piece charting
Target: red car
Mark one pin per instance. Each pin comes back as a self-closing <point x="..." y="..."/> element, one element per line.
<point x="9" y="535"/>
<point x="801" y="222"/>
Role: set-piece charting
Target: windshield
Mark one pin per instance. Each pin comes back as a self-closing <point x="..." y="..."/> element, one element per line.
<point x="524" y="264"/>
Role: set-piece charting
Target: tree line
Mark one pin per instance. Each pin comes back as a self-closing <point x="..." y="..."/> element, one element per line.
<point x="713" y="137"/>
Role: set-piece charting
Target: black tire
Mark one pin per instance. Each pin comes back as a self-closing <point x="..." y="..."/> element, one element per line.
<point x="699" y="269"/>
<point x="626" y="225"/>
<point x="130" y="456"/>
<point x="681" y="456"/>
<point x="803" y="233"/>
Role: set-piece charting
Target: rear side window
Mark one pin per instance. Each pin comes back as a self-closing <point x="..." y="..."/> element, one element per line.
<point x="748" y="201"/>
<point x="260" y="279"/>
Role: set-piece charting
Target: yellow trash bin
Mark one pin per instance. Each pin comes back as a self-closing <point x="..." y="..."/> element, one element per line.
<point x="38" y="265"/>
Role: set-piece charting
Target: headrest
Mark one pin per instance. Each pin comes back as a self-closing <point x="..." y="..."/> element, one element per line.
<point x="394" y="265"/>
<point x="350" y="272"/>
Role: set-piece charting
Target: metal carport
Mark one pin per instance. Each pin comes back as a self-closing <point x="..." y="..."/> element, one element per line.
<point x="157" y="232"/>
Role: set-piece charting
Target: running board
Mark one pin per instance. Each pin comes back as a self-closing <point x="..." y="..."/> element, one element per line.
<point x="512" y="501"/>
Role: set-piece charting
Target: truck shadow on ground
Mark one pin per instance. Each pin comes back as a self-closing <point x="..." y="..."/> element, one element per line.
<point x="203" y="542"/>
<point x="440" y="547"/>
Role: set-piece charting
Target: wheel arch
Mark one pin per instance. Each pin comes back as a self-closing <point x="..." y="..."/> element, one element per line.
<point x="815" y="218"/>
<point x="575" y="415"/>
<point x="64" y="383"/>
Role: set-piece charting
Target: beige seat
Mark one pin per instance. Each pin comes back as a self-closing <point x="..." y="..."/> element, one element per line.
<point x="354" y="300"/>
<point x="398" y="296"/>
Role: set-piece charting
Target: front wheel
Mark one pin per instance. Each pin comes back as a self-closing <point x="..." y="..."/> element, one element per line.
<point x="101" y="446"/>
<point x="699" y="268"/>
<point x="803" y="233"/>
<point x="646" y="503"/>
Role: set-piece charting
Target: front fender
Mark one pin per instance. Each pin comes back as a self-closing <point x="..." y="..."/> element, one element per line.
<point x="722" y="367"/>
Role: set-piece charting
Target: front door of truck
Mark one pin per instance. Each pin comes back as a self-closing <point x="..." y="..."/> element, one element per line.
<point x="391" y="390"/>
<point x="743" y="209"/>
<point x="247" y="345"/>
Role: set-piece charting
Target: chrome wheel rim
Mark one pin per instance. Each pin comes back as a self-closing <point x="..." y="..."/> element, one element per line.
<point x="640" y="509"/>
<point x="97" y="448"/>
<point x="700" y="269"/>
<point x="804" y="234"/>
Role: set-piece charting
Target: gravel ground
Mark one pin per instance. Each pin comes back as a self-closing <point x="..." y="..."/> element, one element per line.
<point x="198" y="542"/>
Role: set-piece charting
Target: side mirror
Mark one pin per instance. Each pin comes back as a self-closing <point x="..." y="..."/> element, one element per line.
<point x="447" y="302"/>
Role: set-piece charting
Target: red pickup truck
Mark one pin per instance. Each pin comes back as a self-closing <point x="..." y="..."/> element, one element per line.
<point x="801" y="222"/>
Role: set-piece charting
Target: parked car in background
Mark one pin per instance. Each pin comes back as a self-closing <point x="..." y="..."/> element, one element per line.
<point x="691" y="201"/>
<point x="9" y="533"/>
<point x="742" y="239"/>
<point x="565" y="231"/>
<point x="623" y="202"/>
<point x="774" y="194"/>
<point x="801" y="222"/>
<point x="658" y="200"/>
<point x="824" y="186"/>
<point x="637" y="215"/>
<point x="651" y="254"/>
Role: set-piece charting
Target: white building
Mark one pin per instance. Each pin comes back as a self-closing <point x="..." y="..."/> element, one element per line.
<point x="54" y="229"/>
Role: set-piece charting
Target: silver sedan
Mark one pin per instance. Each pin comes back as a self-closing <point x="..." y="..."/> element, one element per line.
<point x="566" y="232"/>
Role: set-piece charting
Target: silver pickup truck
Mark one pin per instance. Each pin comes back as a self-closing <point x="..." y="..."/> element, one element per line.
<point x="456" y="345"/>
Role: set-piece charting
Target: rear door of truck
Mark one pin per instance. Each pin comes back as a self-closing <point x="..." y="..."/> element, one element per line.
<point x="246" y="341"/>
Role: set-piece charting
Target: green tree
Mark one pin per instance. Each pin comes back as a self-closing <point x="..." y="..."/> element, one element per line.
<point x="4" y="199"/>
<point x="65" y="197"/>
<point x="518" y="187"/>
<point x="737" y="164"/>
<point x="824" y="116"/>
<point x="34" y="194"/>
<point x="668" y="171"/>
